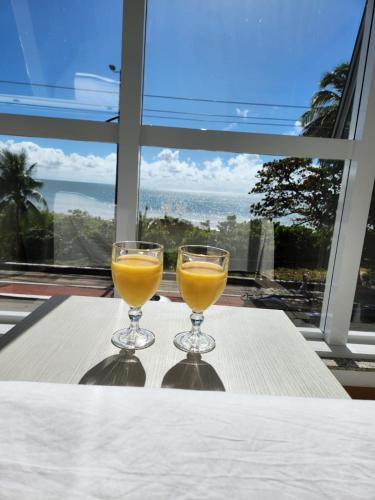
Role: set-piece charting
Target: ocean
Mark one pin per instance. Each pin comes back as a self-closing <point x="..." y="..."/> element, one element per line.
<point x="98" y="200"/>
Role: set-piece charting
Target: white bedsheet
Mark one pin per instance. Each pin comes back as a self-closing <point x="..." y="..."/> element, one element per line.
<point x="81" y="442"/>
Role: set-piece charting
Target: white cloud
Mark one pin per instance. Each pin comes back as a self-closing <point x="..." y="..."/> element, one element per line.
<point x="296" y="130"/>
<point x="166" y="170"/>
<point x="243" y="112"/>
<point x="54" y="163"/>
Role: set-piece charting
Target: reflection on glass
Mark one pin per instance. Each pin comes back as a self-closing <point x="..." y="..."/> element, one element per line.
<point x="216" y="47"/>
<point x="67" y="68"/>
<point x="274" y="215"/>
<point x="193" y="373"/>
<point x="363" y="315"/>
<point x="120" y="369"/>
<point x="56" y="214"/>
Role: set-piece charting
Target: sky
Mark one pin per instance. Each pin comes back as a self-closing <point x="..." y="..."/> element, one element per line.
<point x="261" y="59"/>
<point x="164" y="168"/>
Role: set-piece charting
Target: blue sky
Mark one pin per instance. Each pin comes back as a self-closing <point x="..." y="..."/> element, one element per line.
<point x="251" y="51"/>
<point x="49" y="42"/>
<point x="265" y="52"/>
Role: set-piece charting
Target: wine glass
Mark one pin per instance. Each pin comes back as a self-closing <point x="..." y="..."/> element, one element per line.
<point x="202" y="273"/>
<point x="137" y="269"/>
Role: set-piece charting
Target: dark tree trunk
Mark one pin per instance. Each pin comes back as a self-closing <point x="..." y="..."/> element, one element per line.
<point x="20" y="246"/>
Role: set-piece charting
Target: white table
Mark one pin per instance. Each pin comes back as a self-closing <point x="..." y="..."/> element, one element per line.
<point x="67" y="340"/>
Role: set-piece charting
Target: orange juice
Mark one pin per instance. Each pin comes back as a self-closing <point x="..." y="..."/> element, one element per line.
<point x="200" y="283"/>
<point x="137" y="277"/>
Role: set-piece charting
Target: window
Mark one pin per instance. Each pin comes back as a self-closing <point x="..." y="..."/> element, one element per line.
<point x="246" y="66"/>
<point x="363" y="315"/>
<point x="67" y="217"/>
<point x="56" y="56"/>
<point x="203" y="86"/>
<point x="279" y="239"/>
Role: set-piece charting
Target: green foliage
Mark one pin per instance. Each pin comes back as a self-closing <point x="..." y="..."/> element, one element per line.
<point x="19" y="198"/>
<point x="296" y="274"/>
<point x="296" y="187"/>
<point x="235" y="237"/>
<point x="30" y="233"/>
<point x="299" y="246"/>
<point x="309" y="192"/>
<point x="167" y="231"/>
<point x="295" y="246"/>
<point x="82" y="240"/>
<point x="319" y="120"/>
<point x="77" y="239"/>
<point x="38" y="236"/>
<point x="35" y="232"/>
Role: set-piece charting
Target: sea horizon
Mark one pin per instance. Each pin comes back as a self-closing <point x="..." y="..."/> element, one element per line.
<point x="195" y="206"/>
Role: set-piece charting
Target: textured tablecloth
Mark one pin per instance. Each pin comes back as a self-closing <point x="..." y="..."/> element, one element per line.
<point x="83" y="442"/>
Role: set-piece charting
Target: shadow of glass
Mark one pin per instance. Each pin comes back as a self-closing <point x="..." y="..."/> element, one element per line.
<point x="193" y="373"/>
<point x="121" y="369"/>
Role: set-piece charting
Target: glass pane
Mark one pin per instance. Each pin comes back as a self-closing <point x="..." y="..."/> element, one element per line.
<point x="248" y="65"/>
<point x="56" y="57"/>
<point x="363" y="315"/>
<point x="274" y="215"/>
<point x="51" y="211"/>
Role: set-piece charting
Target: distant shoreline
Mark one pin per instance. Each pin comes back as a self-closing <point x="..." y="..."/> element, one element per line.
<point x="98" y="200"/>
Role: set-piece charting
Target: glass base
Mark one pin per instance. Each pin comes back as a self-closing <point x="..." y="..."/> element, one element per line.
<point x="128" y="339"/>
<point x="186" y="341"/>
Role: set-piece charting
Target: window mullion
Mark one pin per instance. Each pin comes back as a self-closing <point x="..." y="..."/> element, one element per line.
<point x="131" y="92"/>
<point x="58" y="128"/>
<point x="247" y="142"/>
<point x="354" y="202"/>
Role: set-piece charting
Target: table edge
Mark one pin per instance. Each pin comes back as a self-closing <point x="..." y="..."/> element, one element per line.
<point x="30" y="320"/>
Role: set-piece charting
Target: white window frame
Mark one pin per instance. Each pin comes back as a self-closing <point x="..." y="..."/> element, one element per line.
<point x="130" y="135"/>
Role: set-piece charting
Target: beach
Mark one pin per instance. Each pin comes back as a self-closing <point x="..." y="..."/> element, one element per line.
<point x="99" y="200"/>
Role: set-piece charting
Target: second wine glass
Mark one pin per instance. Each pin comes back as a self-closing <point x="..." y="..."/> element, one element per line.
<point x="201" y="276"/>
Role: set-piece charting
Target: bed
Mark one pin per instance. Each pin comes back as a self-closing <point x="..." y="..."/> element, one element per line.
<point x="81" y="442"/>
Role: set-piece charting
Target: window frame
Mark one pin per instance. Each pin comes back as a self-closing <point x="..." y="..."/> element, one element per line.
<point x="130" y="135"/>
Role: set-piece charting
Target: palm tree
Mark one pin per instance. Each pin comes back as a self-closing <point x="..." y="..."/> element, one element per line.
<point x="320" y="119"/>
<point x="18" y="193"/>
<point x="295" y="186"/>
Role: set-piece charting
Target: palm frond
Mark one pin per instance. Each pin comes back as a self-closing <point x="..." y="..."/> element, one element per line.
<point x="319" y="120"/>
<point x="336" y="78"/>
<point x="30" y="169"/>
<point x="38" y="197"/>
<point x="324" y="97"/>
<point x="17" y="186"/>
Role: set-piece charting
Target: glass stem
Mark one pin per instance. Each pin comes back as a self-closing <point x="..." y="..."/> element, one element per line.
<point x="135" y="315"/>
<point x="196" y="334"/>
